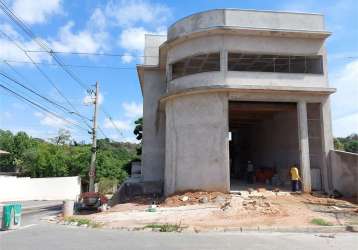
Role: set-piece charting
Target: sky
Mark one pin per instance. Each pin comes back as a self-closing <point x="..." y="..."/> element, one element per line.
<point x="118" y="27"/>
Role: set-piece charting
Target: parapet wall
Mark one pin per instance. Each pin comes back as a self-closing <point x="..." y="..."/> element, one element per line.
<point x="247" y="19"/>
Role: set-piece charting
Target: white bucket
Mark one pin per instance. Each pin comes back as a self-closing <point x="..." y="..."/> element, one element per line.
<point x="67" y="208"/>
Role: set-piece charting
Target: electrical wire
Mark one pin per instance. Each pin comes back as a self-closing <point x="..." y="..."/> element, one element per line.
<point x="72" y="65"/>
<point x="44" y="46"/>
<point x="44" y="75"/>
<point x="41" y="96"/>
<point x="41" y="107"/>
<point x="41" y="43"/>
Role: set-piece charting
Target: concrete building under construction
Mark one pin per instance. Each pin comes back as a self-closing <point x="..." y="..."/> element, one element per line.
<point x="229" y="86"/>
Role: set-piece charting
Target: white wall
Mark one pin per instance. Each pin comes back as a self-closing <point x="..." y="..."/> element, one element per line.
<point x="25" y="188"/>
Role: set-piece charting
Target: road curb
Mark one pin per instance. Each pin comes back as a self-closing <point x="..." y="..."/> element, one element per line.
<point x="323" y="229"/>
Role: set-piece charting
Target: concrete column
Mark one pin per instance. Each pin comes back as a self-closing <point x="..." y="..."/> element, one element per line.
<point x="223" y="60"/>
<point x="327" y="145"/>
<point x="304" y="146"/>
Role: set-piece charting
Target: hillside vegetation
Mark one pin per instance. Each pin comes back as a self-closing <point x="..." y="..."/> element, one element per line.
<point x="61" y="156"/>
<point x="349" y="143"/>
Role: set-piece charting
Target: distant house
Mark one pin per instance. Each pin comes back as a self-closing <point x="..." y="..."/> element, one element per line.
<point x="2" y="152"/>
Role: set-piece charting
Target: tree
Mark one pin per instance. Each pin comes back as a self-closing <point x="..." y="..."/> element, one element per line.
<point x="351" y="146"/>
<point x="138" y="132"/>
<point x="338" y="145"/>
<point x="63" y="137"/>
<point x="38" y="158"/>
<point x="349" y="143"/>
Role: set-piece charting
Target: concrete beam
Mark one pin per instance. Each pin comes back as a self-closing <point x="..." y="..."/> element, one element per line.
<point x="304" y="146"/>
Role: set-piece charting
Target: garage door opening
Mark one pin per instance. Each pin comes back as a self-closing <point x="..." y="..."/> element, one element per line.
<point x="264" y="136"/>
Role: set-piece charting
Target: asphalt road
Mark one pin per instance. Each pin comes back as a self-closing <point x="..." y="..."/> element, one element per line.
<point x="39" y="235"/>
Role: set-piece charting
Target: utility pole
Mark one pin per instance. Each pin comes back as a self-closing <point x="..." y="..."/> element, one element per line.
<point x="92" y="171"/>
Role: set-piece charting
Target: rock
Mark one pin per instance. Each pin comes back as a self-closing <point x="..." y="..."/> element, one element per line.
<point x="250" y="190"/>
<point x="184" y="198"/>
<point x="84" y="225"/>
<point x="203" y="199"/>
<point x="260" y="190"/>
<point x="75" y="223"/>
<point x="220" y="200"/>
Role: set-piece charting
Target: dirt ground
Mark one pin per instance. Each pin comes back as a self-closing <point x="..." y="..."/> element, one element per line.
<point x="248" y="209"/>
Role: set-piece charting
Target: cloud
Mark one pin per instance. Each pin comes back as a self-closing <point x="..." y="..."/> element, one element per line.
<point x="132" y="39"/>
<point x="97" y="20"/>
<point x="117" y="124"/>
<point x="346" y="125"/>
<point x="344" y="101"/>
<point x="89" y="99"/>
<point x="128" y="13"/>
<point x="127" y="58"/>
<point x="137" y="18"/>
<point x="9" y="51"/>
<point x="84" y="40"/>
<point x="38" y="11"/>
<point x="52" y="121"/>
<point x="346" y="81"/>
<point x="132" y="109"/>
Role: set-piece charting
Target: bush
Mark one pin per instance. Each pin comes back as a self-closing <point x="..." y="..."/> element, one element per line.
<point x="321" y="222"/>
<point x="165" y="227"/>
<point x="107" y="185"/>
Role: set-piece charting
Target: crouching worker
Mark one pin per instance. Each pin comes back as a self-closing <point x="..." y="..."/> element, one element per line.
<point x="295" y="178"/>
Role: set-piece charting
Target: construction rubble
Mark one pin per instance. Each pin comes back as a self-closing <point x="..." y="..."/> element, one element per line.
<point x="252" y="208"/>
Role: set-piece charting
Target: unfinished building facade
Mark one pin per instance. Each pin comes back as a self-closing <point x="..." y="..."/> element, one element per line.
<point x="229" y="86"/>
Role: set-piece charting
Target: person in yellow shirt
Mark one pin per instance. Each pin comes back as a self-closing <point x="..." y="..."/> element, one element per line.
<point x="295" y="178"/>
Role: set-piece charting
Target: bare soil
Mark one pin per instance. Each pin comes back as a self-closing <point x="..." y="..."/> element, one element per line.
<point x="214" y="210"/>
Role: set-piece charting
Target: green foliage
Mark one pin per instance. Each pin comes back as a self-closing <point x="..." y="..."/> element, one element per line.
<point x="349" y="143"/>
<point x="105" y="185"/>
<point x="83" y="221"/>
<point x="37" y="158"/>
<point x="165" y="227"/>
<point x="64" y="137"/>
<point x="321" y="222"/>
<point x="138" y="132"/>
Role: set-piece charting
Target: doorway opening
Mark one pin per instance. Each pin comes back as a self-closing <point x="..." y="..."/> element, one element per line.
<point x="263" y="143"/>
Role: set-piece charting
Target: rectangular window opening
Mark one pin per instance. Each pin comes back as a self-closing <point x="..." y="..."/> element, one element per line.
<point x="196" y="64"/>
<point x="275" y="63"/>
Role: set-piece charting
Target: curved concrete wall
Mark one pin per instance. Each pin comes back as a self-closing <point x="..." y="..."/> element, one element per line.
<point x="246" y="44"/>
<point x="249" y="19"/>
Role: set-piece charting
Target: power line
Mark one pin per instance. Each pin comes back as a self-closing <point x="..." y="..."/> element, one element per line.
<point x="72" y="65"/>
<point x="41" y="107"/>
<point x="40" y="42"/>
<point x="92" y="53"/>
<point x="112" y="122"/>
<point x="44" y="46"/>
<point x="44" y="75"/>
<point x="43" y="97"/>
<point x="102" y="132"/>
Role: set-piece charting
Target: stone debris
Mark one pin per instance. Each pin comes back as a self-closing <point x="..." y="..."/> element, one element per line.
<point x="195" y="197"/>
<point x="184" y="198"/>
<point x="204" y="200"/>
<point x="259" y="205"/>
<point x="261" y="190"/>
